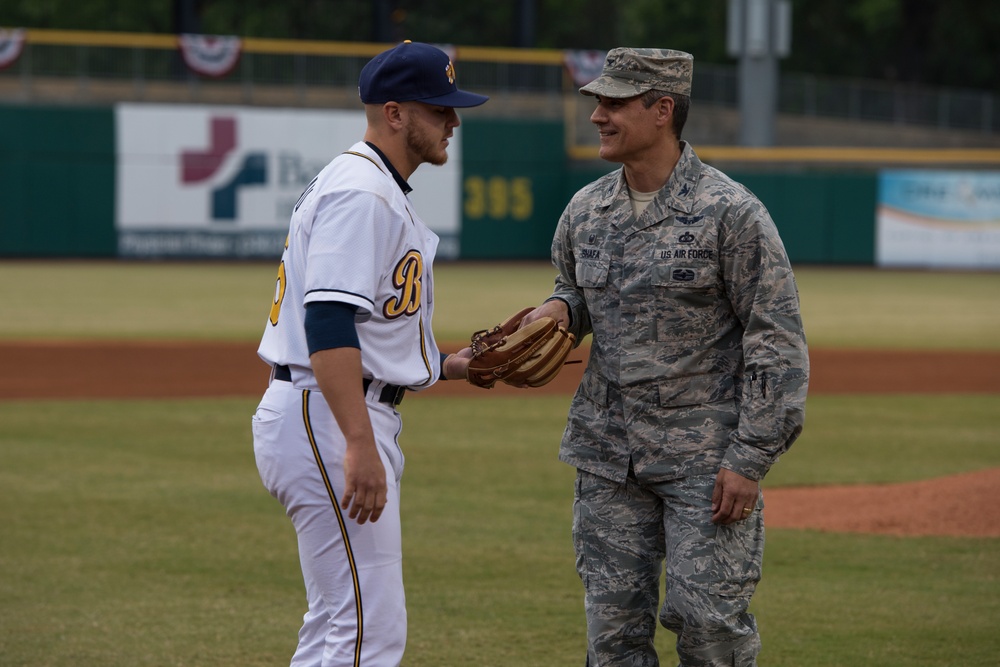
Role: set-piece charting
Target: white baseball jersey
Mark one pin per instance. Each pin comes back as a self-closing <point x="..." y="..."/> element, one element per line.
<point x="355" y="238"/>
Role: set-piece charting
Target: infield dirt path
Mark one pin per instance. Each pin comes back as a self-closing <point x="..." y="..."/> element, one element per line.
<point x="951" y="506"/>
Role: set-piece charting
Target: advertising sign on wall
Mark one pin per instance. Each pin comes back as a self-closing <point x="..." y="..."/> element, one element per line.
<point x="938" y="219"/>
<point x="215" y="181"/>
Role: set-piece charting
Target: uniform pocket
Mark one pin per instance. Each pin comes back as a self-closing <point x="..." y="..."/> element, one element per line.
<point x="266" y="426"/>
<point x="698" y="390"/>
<point x="739" y="553"/>
<point x="595" y="388"/>
<point x="686" y="302"/>
<point x="762" y="408"/>
<point x="593" y="272"/>
<point x="264" y="417"/>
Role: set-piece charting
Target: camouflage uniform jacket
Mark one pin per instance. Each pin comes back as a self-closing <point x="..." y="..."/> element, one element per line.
<point x="698" y="357"/>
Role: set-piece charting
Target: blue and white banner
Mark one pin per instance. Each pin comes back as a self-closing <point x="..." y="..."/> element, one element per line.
<point x="938" y="219"/>
<point x="215" y="181"/>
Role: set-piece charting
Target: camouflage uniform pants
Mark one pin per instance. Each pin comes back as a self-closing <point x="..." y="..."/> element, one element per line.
<point x="623" y="533"/>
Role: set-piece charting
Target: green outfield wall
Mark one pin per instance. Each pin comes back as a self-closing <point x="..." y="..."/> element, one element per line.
<point x="824" y="218"/>
<point x="514" y="184"/>
<point x="58" y="180"/>
<point x="57" y="174"/>
<point x="517" y="181"/>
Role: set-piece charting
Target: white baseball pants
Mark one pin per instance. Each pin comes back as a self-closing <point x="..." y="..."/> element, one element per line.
<point x="353" y="573"/>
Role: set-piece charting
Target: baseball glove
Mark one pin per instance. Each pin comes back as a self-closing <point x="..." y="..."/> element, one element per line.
<point x="528" y="357"/>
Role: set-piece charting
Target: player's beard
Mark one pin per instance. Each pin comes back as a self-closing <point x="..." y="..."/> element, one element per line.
<point x="423" y="145"/>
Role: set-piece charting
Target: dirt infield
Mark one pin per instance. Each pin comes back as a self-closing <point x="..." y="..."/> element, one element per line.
<point x="950" y="506"/>
<point x="39" y="370"/>
<point x="946" y="506"/>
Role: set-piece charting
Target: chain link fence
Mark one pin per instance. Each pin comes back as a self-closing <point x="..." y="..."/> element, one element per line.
<point x="104" y="68"/>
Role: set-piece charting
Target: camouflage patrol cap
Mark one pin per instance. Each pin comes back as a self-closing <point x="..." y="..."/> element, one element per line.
<point x="628" y="72"/>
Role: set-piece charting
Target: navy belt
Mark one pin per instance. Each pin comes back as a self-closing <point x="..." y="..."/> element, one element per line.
<point x="391" y="394"/>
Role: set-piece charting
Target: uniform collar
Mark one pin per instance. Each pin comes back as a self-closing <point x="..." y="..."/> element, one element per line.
<point x="400" y="181"/>
<point x="678" y="193"/>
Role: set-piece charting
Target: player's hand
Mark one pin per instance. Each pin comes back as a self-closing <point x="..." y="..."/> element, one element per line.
<point x="456" y="366"/>
<point x="556" y="309"/>
<point x="732" y="494"/>
<point x="365" y="489"/>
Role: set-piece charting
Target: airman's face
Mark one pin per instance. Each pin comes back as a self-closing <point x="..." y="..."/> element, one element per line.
<point x="627" y="129"/>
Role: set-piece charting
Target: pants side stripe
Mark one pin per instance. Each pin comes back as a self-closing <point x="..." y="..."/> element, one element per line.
<point x="340" y="521"/>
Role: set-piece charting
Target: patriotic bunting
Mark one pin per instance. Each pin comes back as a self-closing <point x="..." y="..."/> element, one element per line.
<point x="584" y="66"/>
<point x="11" y="44"/>
<point x="210" y="55"/>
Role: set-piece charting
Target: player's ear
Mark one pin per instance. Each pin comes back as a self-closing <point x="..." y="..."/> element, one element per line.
<point x="392" y="112"/>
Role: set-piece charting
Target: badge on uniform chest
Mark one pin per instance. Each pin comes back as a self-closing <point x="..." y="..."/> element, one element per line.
<point x="684" y="253"/>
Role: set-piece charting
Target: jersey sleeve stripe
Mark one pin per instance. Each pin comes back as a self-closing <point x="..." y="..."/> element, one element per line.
<point x="310" y="296"/>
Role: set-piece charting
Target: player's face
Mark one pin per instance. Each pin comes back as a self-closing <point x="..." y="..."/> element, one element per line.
<point x="626" y="128"/>
<point x="428" y="128"/>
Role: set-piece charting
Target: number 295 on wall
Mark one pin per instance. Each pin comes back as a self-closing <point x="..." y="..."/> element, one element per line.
<point x="498" y="198"/>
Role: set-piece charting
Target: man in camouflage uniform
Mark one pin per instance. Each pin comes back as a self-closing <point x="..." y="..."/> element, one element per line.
<point x="696" y="381"/>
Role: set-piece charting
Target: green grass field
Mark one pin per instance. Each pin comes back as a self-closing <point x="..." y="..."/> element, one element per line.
<point x="229" y="301"/>
<point x="137" y="533"/>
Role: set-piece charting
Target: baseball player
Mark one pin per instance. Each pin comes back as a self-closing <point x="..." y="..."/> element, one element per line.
<point x="349" y="333"/>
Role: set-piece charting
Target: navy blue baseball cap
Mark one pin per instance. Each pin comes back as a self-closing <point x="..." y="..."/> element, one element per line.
<point x="414" y="72"/>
